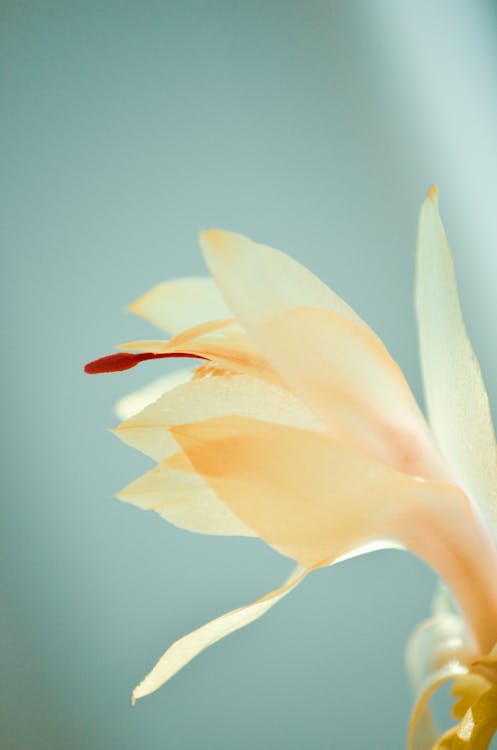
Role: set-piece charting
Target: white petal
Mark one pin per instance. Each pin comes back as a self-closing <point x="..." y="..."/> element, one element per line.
<point x="217" y="396"/>
<point x="181" y="303"/>
<point x="188" y="647"/>
<point x="457" y="401"/>
<point x="258" y="281"/>
<point x="135" y="402"/>
<point x="185" y="500"/>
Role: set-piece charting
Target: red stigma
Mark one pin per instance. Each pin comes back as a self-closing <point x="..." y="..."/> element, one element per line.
<point x="126" y="360"/>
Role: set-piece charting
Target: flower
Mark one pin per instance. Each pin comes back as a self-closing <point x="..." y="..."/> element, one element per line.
<point x="299" y="428"/>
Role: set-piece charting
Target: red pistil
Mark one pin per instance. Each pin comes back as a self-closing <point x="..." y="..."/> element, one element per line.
<point x="126" y="360"/>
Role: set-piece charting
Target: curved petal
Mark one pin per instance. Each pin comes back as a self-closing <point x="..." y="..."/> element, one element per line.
<point x="436" y="653"/>
<point x="316" y="499"/>
<point x="477" y="728"/>
<point x="185" y="500"/>
<point x="188" y="647"/>
<point x="216" y="396"/>
<point x="230" y="348"/>
<point x="181" y="303"/>
<point x="311" y="497"/>
<point x="258" y="281"/>
<point x="323" y="350"/>
<point x="349" y="379"/>
<point x="456" y="397"/>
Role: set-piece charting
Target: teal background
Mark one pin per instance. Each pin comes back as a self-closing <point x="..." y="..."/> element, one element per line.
<point x="127" y="127"/>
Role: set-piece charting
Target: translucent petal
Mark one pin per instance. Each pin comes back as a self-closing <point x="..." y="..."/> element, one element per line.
<point x="134" y="403"/>
<point x="349" y="379"/>
<point x="323" y="350"/>
<point x="436" y="653"/>
<point x="230" y="348"/>
<point x="457" y="401"/>
<point x="181" y="303"/>
<point x="188" y="647"/>
<point x="311" y="497"/>
<point x="258" y="281"/>
<point x="217" y="396"/>
<point x="185" y="500"/>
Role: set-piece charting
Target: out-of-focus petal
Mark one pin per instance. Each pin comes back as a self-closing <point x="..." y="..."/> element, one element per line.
<point x="457" y="401"/>
<point x="216" y="396"/>
<point x="185" y="500"/>
<point x="188" y="647"/>
<point x="258" y="281"/>
<point x="437" y="652"/>
<point x="134" y="403"/>
<point x="477" y="727"/>
<point x="311" y="497"/>
<point x="467" y="688"/>
<point x="181" y="303"/>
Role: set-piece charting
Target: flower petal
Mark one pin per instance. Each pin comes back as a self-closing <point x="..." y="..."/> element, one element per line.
<point x="311" y="497"/>
<point x="323" y="350"/>
<point x="477" y="728"/>
<point x="348" y="378"/>
<point x="188" y="647"/>
<point x="134" y="403"/>
<point x="457" y="401"/>
<point x="258" y="281"/>
<point x="436" y="653"/>
<point x="185" y="500"/>
<point x="181" y="303"/>
<point x="231" y="349"/>
<point x="216" y="396"/>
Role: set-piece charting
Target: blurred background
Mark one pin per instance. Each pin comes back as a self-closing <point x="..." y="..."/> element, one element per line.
<point x="126" y="127"/>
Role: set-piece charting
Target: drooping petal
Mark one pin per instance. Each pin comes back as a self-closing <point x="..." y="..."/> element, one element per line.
<point x="185" y="500"/>
<point x="258" y="281"/>
<point x="311" y="497"/>
<point x="181" y="303"/>
<point x="134" y="403"/>
<point x="457" y="401"/>
<point x="198" y="400"/>
<point x="188" y="647"/>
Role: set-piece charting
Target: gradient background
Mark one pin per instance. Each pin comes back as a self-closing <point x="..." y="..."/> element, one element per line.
<point x="127" y="127"/>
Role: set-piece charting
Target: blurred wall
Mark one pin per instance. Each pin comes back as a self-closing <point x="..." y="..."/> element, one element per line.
<point x="127" y="127"/>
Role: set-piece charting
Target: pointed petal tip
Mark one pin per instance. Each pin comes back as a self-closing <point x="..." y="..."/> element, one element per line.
<point x="218" y="243"/>
<point x="433" y="195"/>
<point x="135" y="306"/>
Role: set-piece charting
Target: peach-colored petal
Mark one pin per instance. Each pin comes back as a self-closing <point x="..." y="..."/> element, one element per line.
<point x="316" y="499"/>
<point x="311" y="497"/>
<point x="185" y="500"/>
<point x="188" y="647"/>
<point x="456" y="397"/>
<point x="220" y="342"/>
<point x="181" y="303"/>
<point x="349" y="379"/>
<point x="258" y="281"/>
<point x="134" y="403"/>
<point x="323" y="350"/>
<point x="199" y="400"/>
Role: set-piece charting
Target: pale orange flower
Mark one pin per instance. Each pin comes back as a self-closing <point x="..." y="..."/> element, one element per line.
<point x="299" y="428"/>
